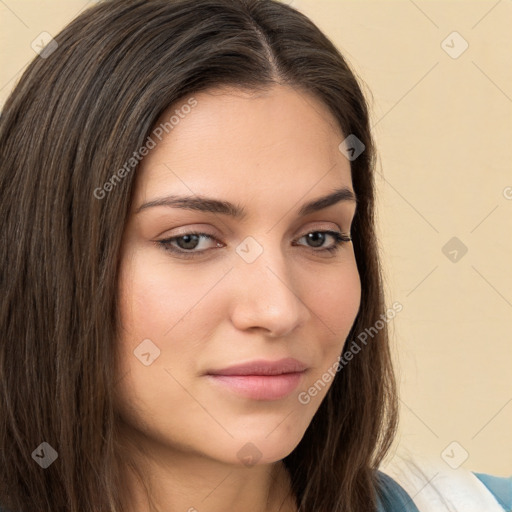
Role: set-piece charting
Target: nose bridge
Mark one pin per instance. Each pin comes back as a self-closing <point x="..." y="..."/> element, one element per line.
<point x="267" y="295"/>
<point x="264" y="261"/>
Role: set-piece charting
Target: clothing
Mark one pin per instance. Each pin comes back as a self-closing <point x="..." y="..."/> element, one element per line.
<point x="393" y="497"/>
<point x="431" y="485"/>
<point x="500" y="487"/>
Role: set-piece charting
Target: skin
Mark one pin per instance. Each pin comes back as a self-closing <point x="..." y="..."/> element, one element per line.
<point x="269" y="152"/>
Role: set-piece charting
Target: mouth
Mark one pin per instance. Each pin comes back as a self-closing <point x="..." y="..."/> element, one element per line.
<point x="260" y="380"/>
<point x="260" y="387"/>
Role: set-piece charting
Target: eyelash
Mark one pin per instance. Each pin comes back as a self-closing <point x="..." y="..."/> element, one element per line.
<point x="339" y="240"/>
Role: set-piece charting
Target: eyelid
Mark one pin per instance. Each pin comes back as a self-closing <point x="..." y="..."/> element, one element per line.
<point x="188" y="230"/>
<point x="321" y="228"/>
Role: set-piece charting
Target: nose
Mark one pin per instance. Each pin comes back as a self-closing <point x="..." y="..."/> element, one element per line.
<point x="266" y="295"/>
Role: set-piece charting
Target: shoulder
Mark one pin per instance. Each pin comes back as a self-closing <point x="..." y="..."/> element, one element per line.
<point x="435" y="486"/>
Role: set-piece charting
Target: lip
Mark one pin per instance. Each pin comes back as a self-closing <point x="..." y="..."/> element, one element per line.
<point x="261" y="380"/>
<point x="262" y="367"/>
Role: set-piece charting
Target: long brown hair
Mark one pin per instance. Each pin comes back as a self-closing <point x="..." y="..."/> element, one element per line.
<point x="77" y="115"/>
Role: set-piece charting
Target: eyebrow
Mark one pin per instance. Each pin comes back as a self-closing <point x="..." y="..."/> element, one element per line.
<point x="211" y="205"/>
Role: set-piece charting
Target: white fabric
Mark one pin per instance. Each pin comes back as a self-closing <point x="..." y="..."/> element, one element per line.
<point x="436" y="487"/>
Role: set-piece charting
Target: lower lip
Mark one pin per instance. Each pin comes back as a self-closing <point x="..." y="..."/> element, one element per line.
<point x="260" y="387"/>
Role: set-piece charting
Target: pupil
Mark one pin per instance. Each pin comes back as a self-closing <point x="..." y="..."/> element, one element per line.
<point x="189" y="239"/>
<point x="316" y="237"/>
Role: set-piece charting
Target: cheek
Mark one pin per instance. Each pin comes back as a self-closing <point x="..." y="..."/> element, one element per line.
<point x="334" y="296"/>
<point x="153" y="306"/>
<point x="334" y="300"/>
<point x="168" y="305"/>
<point x="155" y="299"/>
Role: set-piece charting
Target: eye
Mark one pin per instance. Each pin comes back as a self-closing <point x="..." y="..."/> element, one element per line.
<point x="317" y="238"/>
<point x="187" y="244"/>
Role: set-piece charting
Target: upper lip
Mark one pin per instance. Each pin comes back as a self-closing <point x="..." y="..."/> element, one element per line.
<point x="262" y="367"/>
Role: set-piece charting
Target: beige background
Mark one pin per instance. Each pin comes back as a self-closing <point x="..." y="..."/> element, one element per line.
<point x="443" y="126"/>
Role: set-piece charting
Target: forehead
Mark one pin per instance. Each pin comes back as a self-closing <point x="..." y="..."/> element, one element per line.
<point x="245" y="142"/>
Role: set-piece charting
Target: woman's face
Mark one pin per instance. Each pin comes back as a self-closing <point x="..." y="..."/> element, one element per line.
<point x="260" y="287"/>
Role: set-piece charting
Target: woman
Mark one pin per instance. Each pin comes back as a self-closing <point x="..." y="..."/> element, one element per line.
<point x="189" y="266"/>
